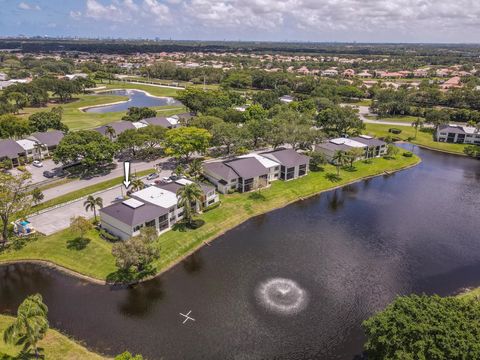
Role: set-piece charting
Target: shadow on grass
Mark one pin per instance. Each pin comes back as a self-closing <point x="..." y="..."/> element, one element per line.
<point x="317" y="169"/>
<point x="78" y="243"/>
<point x="333" y="177"/>
<point x="184" y="226"/>
<point x="350" y="168"/>
<point x="257" y="196"/>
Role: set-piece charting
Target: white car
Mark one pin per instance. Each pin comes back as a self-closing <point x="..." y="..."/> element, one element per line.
<point x="37" y="163"/>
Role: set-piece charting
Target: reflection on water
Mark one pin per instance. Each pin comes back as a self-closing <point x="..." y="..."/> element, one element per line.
<point x="135" y="98"/>
<point x="351" y="250"/>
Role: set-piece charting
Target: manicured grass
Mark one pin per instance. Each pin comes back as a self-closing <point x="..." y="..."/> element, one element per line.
<point x="56" y="346"/>
<point x="85" y="191"/>
<point x="423" y="138"/>
<point x="399" y="119"/>
<point x="76" y="119"/>
<point x="95" y="259"/>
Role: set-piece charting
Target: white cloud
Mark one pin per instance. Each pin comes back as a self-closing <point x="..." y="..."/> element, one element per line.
<point x="26" y="6"/>
<point x="127" y="11"/>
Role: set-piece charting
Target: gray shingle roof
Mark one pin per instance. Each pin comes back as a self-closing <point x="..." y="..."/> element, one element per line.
<point x="158" y="121"/>
<point x="451" y="129"/>
<point x="133" y="217"/>
<point x="48" y="138"/>
<point x="327" y="145"/>
<point x="247" y="167"/>
<point x="220" y="170"/>
<point x="287" y="157"/>
<point x="118" y="126"/>
<point x="10" y="149"/>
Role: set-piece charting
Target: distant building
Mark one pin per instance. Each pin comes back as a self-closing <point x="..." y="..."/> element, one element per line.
<point x="330" y="72"/>
<point x="458" y="134"/>
<point x="349" y="73"/>
<point x="365" y="74"/>
<point x="286" y="99"/>
<point x="454" y="82"/>
<point x="3" y="76"/>
<point x="118" y="128"/>
<point x="10" y="149"/>
<point x="171" y="122"/>
<point x="48" y="140"/>
<point x="371" y="147"/>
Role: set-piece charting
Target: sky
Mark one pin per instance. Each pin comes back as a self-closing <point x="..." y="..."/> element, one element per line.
<point x="438" y="21"/>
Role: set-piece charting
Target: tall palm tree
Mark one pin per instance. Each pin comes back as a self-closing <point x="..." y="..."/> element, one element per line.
<point x="30" y="326"/>
<point x="110" y="132"/>
<point x="92" y="203"/>
<point x="340" y="159"/>
<point x="186" y="196"/>
<point x="137" y="184"/>
<point x="418" y="123"/>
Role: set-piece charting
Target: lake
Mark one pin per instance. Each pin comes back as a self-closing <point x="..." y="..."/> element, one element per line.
<point x="135" y="98"/>
<point x="295" y="283"/>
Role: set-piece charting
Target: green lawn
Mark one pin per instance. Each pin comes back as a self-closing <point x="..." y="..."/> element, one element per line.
<point x="95" y="259"/>
<point x="76" y="119"/>
<point x="56" y="346"/>
<point x="399" y="119"/>
<point x="423" y="138"/>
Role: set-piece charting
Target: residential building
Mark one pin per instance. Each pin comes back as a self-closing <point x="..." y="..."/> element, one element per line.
<point x="371" y="147"/>
<point x="330" y="72"/>
<point x="118" y="128"/>
<point x="349" y="73"/>
<point x="454" y="82"/>
<point x="171" y="122"/>
<point x="458" y="134"/>
<point x="10" y="149"/>
<point x="292" y="164"/>
<point x="48" y="140"/>
<point x="29" y="148"/>
<point x="154" y="206"/>
<point x="253" y="171"/>
<point x="3" y="76"/>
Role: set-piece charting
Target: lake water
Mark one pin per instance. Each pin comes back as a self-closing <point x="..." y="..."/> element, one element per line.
<point x="292" y="284"/>
<point x="135" y="98"/>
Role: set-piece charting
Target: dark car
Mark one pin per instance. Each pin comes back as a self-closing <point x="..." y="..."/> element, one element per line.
<point x="48" y="174"/>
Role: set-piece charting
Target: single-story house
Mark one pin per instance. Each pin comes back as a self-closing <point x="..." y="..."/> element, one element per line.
<point x="372" y="147"/>
<point x="118" y="127"/>
<point x="458" y="134"/>
<point x="48" y="140"/>
<point x="253" y="171"/>
<point x="10" y="149"/>
<point x="154" y="206"/>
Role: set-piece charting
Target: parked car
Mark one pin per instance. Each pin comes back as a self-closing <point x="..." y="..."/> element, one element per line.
<point x="152" y="176"/>
<point x="118" y="199"/>
<point x="37" y="163"/>
<point x="48" y="174"/>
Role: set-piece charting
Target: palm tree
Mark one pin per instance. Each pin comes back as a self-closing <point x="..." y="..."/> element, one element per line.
<point x="92" y="203"/>
<point x="418" y="123"/>
<point x="339" y="159"/>
<point x="110" y="132"/>
<point x="31" y="324"/>
<point x="137" y="184"/>
<point x="38" y="150"/>
<point x="195" y="169"/>
<point x="186" y="196"/>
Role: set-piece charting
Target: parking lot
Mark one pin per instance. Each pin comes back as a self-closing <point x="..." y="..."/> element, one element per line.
<point x="37" y="172"/>
<point x="57" y="219"/>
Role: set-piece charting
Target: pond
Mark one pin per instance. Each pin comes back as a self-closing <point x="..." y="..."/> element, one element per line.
<point x="136" y="98"/>
<point x="292" y="284"/>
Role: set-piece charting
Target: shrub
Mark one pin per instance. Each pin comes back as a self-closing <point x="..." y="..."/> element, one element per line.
<point x="22" y="168"/>
<point x="395" y="131"/>
<point x="211" y="207"/>
<point x="407" y="154"/>
<point x="195" y="224"/>
<point x="105" y="235"/>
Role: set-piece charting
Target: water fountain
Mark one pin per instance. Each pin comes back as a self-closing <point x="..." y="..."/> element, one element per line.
<point x="282" y="296"/>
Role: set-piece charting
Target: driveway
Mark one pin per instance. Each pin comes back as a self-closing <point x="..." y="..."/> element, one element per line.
<point x="115" y="173"/>
<point x="58" y="218"/>
<point x="37" y="172"/>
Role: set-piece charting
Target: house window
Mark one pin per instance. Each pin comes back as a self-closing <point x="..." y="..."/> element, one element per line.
<point x="137" y="228"/>
<point x="290" y="173"/>
<point x="150" y="223"/>
<point x="302" y="169"/>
